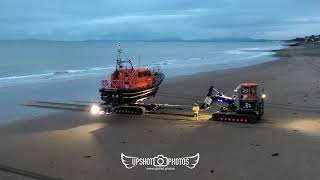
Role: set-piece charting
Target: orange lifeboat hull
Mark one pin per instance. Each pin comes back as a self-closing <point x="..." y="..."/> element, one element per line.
<point x="130" y="85"/>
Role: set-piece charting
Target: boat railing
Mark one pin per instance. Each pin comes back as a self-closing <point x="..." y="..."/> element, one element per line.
<point x="156" y="69"/>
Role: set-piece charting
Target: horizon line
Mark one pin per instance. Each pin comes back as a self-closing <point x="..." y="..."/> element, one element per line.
<point x="154" y="40"/>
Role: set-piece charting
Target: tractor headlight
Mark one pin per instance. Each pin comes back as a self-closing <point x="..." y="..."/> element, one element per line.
<point x="95" y="109"/>
<point x="263" y="96"/>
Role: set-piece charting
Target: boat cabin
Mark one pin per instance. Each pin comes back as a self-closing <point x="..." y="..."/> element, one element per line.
<point x="129" y="78"/>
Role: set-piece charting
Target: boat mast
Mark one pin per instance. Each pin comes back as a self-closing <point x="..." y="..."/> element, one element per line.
<point x="139" y="59"/>
<point x="121" y="60"/>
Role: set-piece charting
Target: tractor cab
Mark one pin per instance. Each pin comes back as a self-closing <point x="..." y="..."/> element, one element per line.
<point x="248" y="98"/>
<point x="248" y="91"/>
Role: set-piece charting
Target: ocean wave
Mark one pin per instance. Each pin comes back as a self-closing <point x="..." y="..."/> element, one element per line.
<point x="164" y="62"/>
<point x="236" y="52"/>
<point x="257" y="55"/>
<point x="259" y="49"/>
<point x="55" y="75"/>
<point x="26" y="76"/>
<point x="251" y="50"/>
<point x="225" y="58"/>
<point x="168" y="63"/>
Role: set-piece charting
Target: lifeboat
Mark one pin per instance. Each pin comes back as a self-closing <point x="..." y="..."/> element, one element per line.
<point x="128" y="84"/>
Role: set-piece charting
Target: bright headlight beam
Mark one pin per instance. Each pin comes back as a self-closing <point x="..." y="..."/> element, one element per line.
<point x="95" y="109"/>
<point x="263" y="96"/>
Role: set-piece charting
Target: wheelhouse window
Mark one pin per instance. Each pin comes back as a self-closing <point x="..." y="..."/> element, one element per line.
<point x="144" y="73"/>
<point x="148" y="73"/>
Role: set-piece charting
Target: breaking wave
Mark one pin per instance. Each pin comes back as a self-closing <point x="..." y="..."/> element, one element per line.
<point x="256" y="50"/>
<point x="56" y="75"/>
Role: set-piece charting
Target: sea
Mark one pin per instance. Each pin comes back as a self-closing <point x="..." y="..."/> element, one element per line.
<point x="69" y="71"/>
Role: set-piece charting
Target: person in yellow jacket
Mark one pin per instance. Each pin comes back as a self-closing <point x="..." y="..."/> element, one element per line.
<point x="195" y="110"/>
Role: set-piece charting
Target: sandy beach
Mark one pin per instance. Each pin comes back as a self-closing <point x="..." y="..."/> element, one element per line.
<point x="285" y="144"/>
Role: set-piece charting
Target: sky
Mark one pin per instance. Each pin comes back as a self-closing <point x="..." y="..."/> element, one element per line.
<point x="70" y="20"/>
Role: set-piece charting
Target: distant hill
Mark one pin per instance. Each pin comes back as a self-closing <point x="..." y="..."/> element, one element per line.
<point x="213" y="40"/>
<point x="313" y="39"/>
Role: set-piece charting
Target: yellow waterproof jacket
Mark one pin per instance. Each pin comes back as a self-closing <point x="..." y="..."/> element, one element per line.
<point x="196" y="109"/>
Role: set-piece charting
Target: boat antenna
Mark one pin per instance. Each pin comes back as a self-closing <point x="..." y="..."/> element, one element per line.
<point x="119" y="61"/>
<point x="139" y="59"/>
<point x="119" y="51"/>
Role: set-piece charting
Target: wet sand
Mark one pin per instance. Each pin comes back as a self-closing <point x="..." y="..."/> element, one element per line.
<point x="285" y="144"/>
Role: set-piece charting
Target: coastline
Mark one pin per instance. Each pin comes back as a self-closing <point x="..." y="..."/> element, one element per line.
<point x="59" y="144"/>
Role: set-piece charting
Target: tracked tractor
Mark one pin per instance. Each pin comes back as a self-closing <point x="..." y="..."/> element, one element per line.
<point x="246" y="105"/>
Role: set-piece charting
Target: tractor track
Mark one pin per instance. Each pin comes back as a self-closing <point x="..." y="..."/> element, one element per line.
<point x="60" y="103"/>
<point x="85" y="105"/>
<point x="295" y="109"/>
<point x="58" y="106"/>
<point x="26" y="173"/>
<point x="85" y="108"/>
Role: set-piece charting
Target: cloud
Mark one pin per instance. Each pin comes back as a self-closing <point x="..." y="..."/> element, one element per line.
<point x="313" y="19"/>
<point x="144" y="19"/>
<point x="135" y="19"/>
